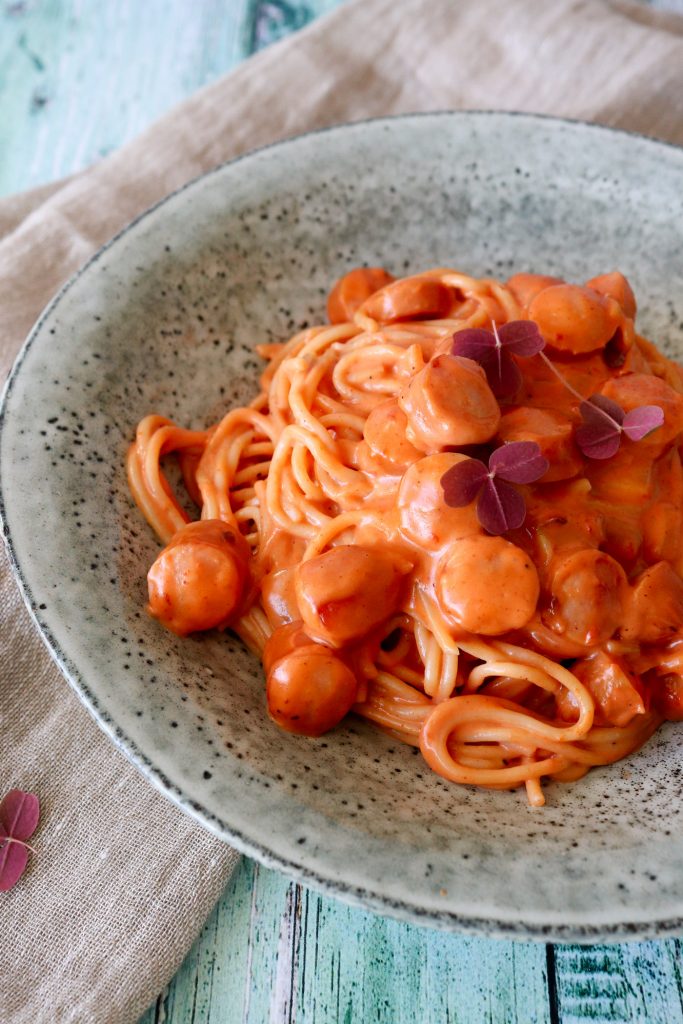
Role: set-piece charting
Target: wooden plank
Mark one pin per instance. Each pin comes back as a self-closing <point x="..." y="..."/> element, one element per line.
<point x="631" y="982"/>
<point x="215" y="973"/>
<point x="78" y="79"/>
<point x="308" y="959"/>
<point x="274" y="951"/>
<point x="267" y="21"/>
<point x="384" y="970"/>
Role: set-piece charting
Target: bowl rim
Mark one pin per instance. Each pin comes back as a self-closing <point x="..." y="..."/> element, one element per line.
<point x="487" y="925"/>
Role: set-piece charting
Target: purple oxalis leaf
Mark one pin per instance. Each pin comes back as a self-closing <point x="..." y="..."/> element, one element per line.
<point x="19" y="813"/>
<point x="502" y="372"/>
<point x="599" y="436"/>
<point x="13" y="860"/>
<point x="604" y="421"/>
<point x="640" y="422"/>
<point x="492" y="350"/>
<point x="598" y="441"/>
<point x="500" y="507"/>
<point x="462" y="482"/>
<point x="604" y="405"/>
<point x="522" y="337"/>
<point x="521" y="462"/>
<point x="473" y="343"/>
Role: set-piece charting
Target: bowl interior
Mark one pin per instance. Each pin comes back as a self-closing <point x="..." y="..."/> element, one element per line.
<point x="165" y="320"/>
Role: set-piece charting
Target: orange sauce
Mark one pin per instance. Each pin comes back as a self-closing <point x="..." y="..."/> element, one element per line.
<point x="370" y="592"/>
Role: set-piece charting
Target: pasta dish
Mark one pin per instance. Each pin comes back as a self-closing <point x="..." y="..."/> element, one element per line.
<point x="454" y="510"/>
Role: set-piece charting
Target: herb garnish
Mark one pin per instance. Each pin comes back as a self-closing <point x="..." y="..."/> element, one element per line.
<point x="500" y="507"/>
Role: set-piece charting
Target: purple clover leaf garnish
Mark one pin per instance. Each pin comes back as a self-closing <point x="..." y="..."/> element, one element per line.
<point x="604" y="422"/>
<point x="500" y="507"/>
<point x="640" y="422"/>
<point x="493" y="350"/>
<point x="598" y="437"/>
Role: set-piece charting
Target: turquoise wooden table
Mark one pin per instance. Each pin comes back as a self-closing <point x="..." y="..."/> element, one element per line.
<point x="75" y="82"/>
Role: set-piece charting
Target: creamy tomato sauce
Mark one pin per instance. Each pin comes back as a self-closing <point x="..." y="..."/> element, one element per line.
<point x="326" y="540"/>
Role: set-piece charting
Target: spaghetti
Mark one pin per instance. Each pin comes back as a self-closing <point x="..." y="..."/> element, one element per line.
<point x="325" y="542"/>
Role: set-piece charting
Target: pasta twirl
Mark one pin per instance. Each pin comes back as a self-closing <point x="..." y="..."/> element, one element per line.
<point x="326" y="541"/>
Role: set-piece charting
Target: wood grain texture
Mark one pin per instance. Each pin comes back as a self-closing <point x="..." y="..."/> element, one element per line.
<point x="77" y="79"/>
<point x="276" y="951"/>
<point x="639" y="981"/>
<point x="80" y="78"/>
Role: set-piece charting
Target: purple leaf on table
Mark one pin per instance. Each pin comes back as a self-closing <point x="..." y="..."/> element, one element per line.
<point x="13" y="860"/>
<point x="19" y="814"/>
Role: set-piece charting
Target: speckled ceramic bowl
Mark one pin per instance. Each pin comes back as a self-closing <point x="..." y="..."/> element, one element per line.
<point x="165" y="318"/>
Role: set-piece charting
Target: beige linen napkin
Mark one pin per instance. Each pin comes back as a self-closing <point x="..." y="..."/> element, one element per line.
<point x="122" y="882"/>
